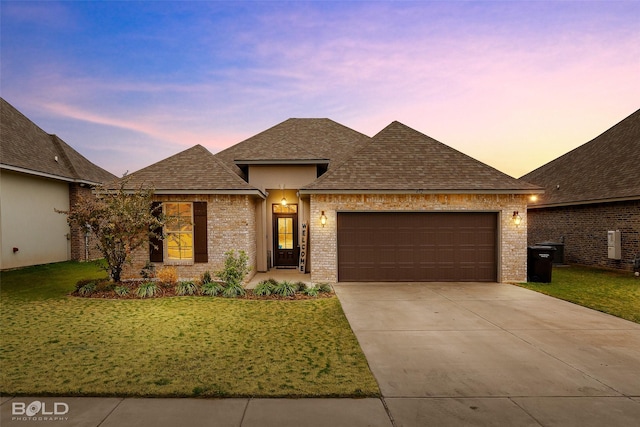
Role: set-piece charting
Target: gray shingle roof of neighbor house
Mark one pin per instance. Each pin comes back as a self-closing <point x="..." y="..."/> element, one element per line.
<point x="195" y="170"/>
<point x="607" y="168"/>
<point x="24" y="147"/>
<point x="296" y="141"/>
<point x="401" y="159"/>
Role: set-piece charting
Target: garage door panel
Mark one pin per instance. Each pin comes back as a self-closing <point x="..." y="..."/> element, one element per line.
<point x="417" y="246"/>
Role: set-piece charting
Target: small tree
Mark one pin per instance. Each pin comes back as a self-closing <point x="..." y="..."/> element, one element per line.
<point x="121" y="220"/>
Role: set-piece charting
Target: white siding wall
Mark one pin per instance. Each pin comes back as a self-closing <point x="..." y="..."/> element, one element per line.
<point x="28" y="220"/>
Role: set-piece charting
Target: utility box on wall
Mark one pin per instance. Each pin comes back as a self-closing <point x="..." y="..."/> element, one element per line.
<point x="614" y="245"/>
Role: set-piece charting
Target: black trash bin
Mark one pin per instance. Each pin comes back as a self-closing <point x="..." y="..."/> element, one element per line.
<point x="558" y="255"/>
<point x="540" y="263"/>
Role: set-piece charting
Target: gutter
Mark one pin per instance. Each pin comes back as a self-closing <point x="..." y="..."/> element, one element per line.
<point x="585" y="202"/>
<point x="48" y="175"/>
<point x="422" y="191"/>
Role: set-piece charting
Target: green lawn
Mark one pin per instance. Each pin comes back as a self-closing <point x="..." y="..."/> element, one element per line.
<point x="612" y="292"/>
<point x="182" y="346"/>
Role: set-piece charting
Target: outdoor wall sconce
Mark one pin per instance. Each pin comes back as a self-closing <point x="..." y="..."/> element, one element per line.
<point x="517" y="219"/>
<point x="533" y="198"/>
<point x="323" y="219"/>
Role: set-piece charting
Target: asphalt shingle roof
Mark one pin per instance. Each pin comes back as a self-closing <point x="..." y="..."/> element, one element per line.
<point x="399" y="158"/>
<point x="26" y="147"/>
<point x="297" y="139"/>
<point x="195" y="169"/>
<point x="605" y="168"/>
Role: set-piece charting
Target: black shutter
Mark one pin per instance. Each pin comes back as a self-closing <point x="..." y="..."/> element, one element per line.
<point x="200" y="232"/>
<point x="156" y="249"/>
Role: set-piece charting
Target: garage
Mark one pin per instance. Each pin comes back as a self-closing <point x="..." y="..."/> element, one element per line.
<point x="417" y="246"/>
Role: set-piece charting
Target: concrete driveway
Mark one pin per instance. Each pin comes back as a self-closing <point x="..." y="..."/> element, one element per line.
<point x="494" y="354"/>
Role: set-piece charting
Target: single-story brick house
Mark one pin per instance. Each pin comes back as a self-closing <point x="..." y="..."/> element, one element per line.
<point x="39" y="172"/>
<point x="315" y="195"/>
<point x="590" y="191"/>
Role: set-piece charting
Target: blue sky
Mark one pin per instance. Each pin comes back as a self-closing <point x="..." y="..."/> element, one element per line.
<point x="513" y="84"/>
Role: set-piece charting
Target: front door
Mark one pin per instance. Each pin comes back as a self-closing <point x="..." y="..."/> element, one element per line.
<point x="285" y="235"/>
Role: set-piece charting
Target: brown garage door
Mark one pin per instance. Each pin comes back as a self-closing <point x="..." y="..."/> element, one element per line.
<point x="417" y="246"/>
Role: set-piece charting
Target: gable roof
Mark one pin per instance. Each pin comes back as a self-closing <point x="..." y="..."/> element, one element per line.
<point x="607" y="168"/>
<point x="401" y="159"/>
<point x="296" y="141"/>
<point x="24" y="147"/>
<point x="192" y="171"/>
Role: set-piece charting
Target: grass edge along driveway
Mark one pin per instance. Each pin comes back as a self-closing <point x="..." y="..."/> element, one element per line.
<point x="613" y="292"/>
<point x="53" y="344"/>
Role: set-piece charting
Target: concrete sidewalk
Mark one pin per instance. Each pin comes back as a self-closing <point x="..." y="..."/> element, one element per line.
<point x="115" y="412"/>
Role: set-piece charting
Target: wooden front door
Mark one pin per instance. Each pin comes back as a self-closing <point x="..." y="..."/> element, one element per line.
<point x="285" y="236"/>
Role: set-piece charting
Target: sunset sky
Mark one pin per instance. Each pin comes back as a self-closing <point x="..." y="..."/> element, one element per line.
<point x="514" y="84"/>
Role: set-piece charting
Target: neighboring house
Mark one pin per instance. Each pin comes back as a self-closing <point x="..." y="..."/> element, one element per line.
<point x="39" y="173"/>
<point x="590" y="191"/>
<point x="318" y="196"/>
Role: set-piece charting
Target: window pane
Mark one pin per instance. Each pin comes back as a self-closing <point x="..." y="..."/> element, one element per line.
<point x="179" y="229"/>
<point x="171" y="209"/>
<point x="285" y="209"/>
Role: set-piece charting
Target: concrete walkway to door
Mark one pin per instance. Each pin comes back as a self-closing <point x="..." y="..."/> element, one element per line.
<point x="451" y="354"/>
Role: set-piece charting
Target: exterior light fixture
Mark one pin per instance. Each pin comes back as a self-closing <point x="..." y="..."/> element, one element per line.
<point x="283" y="202"/>
<point x="517" y="219"/>
<point x="533" y="198"/>
<point x="323" y="219"/>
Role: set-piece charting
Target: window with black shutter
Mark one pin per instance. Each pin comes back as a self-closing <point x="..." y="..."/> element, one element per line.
<point x="185" y="232"/>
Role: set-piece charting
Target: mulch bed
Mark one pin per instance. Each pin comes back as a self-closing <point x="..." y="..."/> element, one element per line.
<point x="170" y="291"/>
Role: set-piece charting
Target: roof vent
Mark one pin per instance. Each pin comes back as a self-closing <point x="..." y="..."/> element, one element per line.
<point x="55" y="158"/>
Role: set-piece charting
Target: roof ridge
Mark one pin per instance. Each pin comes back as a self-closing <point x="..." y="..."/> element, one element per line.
<point x="63" y="154"/>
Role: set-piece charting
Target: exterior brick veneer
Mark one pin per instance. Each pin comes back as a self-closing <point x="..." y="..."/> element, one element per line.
<point x="230" y="226"/>
<point x="584" y="230"/>
<point x="512" y="239"/>
<point x="81" y="249"/>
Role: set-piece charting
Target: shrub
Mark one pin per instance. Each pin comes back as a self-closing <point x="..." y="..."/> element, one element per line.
<point x="206" y="278"/>
<point x="235" y="268"/>
<point x="148" y="289"/>
<point x="105" y="285"/>
<point x="264" y="288"/>
<point x="301" y="286"/>
<point x="168" y="275"/>
<point x="233" y="291"/>
<point x="148" y="271"/>
<point x="312" y="292"/>
<point x="285" y="289"/>
<point x="186" y="288"/>
<point x="122" y="291"/>
<point x="324" y="288"/>
<point x="86" y="288"/>
<point x="211" y="288"/>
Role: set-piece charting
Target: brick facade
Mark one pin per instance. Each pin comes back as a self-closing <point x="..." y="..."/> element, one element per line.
<point x="231" y="225"/>
<point x="511" y="238"/>
<point x="83" y="245"/>
<point x="584" y="231"/>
